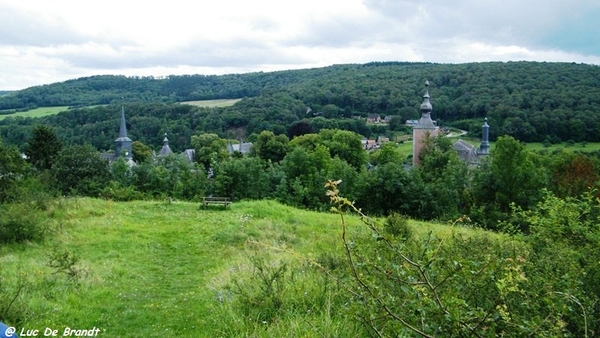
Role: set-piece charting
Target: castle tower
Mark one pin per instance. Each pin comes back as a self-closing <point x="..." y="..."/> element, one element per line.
<point x="484" y="148"/>
<point x="425" y="128"/>
<point x="123" y="143"/>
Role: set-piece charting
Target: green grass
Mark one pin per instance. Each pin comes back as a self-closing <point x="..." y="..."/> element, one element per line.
<point x="583" y="147"/>
<point x="153" y="269"/>
<point x="38" y="112"/>
<point x="213" y="103"/>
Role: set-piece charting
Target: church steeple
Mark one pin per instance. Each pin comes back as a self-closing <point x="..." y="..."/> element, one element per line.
<point x="425" y="122"/>
<point x="123" y="126"/>
<point x="123" y="143"/>
<point x="425" y="128"/>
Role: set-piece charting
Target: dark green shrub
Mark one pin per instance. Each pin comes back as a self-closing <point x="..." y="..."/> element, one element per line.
<point x="117" y="192"/>
<point x="20" y="222"/>
<point x="397" y="225"/>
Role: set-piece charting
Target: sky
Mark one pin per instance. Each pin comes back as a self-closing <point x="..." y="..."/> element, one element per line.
<point x="43" y="42"/>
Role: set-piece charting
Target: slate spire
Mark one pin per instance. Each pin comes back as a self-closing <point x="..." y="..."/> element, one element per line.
<point x="123" y="143"/>
<point x="425" y="122"/>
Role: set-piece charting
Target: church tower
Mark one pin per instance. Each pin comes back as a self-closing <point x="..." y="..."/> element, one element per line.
<point x="123" y="143"/>
<point x="425" y="128"/>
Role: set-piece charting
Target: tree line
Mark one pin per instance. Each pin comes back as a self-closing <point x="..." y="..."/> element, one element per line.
<point x="294" y="171"/>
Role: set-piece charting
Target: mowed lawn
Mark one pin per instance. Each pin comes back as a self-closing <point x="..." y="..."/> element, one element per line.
<point x="38" y="112"/>
<point x="154" y="269"/>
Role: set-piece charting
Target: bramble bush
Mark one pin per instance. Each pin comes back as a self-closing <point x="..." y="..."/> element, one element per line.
<point x="543" y="284"/>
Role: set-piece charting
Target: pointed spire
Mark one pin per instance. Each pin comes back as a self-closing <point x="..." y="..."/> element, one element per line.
<point x="425" y="122"/>
<point x="123" y="127"/>
<point x="123" y="143"/>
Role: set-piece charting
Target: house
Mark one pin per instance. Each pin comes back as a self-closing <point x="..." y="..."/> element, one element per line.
<point x="242" y="147"/>
<point x="369" y="144"/>
<point x="382" y="139"/>
<point x="373" y="118"/>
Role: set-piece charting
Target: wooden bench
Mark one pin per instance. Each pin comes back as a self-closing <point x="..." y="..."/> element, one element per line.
<point x="215" y="200"/>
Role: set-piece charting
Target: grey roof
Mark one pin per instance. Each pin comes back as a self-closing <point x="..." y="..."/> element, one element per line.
<point x="189" y="154"/>
<point x="466" y="151"/>
<point x="243" y="148"/>
<point x="165" y="150"/>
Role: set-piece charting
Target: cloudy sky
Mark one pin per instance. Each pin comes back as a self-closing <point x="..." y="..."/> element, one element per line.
<point x="44" y="41"/>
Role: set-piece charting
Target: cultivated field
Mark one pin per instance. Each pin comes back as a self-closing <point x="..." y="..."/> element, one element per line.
<point x="213" y="103"/>
<point x="38" y="112"/>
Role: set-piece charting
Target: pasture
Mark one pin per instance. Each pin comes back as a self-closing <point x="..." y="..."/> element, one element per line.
<point x="37" y="112"/>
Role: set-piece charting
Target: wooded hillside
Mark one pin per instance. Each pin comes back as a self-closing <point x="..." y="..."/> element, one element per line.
<point x="530" y="101"/>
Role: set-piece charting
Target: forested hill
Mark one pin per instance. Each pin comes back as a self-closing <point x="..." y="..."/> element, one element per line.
<point x="462" y="90"/>
<point x="531" y="101"/>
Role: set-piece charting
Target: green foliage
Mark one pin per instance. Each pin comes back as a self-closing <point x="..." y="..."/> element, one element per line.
<point x="80" y="170"/>
<point x="388" y="153"/>
<point x="210" y="149"/>
<point x="511" y="176"/>
<point x="263" y="295"/>
<point x="141" y="152"/>
<point x="43" y="147"/>
<point x="21" y="222"/>
<point x="270" y="147"/>
<point x="455" y="286"/>
<point x="397" y="225"/>
<point x="64" y="262"/>
<point x="245" y="178"/>
<point x="12" y="169"/>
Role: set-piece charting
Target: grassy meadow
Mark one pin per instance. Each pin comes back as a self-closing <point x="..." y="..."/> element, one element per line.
<point x="154" y="269"/>
<point x="150" y="269"/>
<point x="38" y="112"/>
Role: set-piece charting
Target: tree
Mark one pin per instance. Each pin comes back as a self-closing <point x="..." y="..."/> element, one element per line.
<point x="12" y="168"/>
<point x="510" y="177"/>
<point x="299" y="128"/>
<point x="210" y="149"/>
<point x="270" y="147"/>
<point x="388" y="153"/>
<point x="346" y="145"/>
<point x="43" y="147"/>
<point x="141" y="152"/>
<point x="80" y="170"/>
<point x="573" y="174"/>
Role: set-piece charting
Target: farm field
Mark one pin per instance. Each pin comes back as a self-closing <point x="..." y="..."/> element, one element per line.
<point x="213" y="103"/>
<point x="38" y="112"/>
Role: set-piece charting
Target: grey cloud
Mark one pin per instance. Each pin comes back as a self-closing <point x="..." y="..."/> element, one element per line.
<point x="21" y="28"/>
